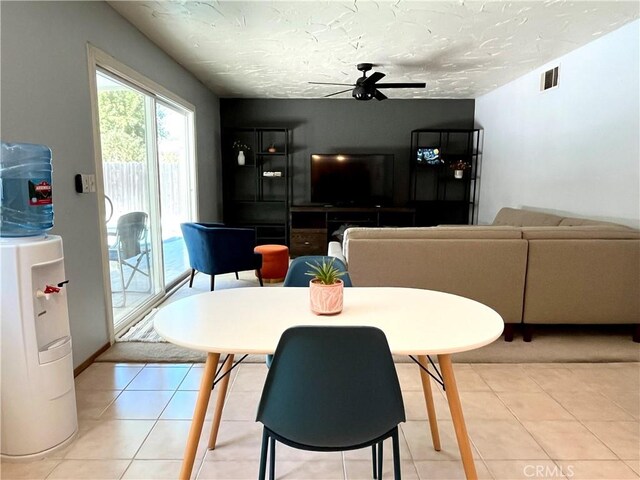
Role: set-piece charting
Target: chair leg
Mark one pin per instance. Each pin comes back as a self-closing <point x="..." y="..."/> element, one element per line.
<point x="124" y="290"/>
<point x="374" y="461"/>
<point x="380" y="457"/>
<point x="148" y="270"/>
<point x="259" y="273"/>
<point x="396" y="455"/>
<point x="272" y="458"/>
<point x="237" y="278"/>
<point x="213" y="282"/>
<point x="193" y="273"/>
<point x="263" y="455"/>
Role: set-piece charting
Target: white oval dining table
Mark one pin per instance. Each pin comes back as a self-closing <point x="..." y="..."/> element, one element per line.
<point x="251" y="320"/>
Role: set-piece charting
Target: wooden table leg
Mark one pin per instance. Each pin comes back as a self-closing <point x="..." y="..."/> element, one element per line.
<point x="198" y="415"/>
<point x="444" y="361"/>
<point x="428" y="398"/>
<point x="222" y="393"/>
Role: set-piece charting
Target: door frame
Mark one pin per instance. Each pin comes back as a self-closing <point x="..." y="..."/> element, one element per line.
<point x="100" y="60"/>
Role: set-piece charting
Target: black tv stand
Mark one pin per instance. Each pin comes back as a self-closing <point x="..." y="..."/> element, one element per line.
<point x="312" y="227"/>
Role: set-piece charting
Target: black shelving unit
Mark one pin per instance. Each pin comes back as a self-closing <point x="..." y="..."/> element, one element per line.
<point x="436" y="194"/>
<point x="257" y="194"/>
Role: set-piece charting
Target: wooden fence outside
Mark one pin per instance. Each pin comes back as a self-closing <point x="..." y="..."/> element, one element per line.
<point x="127" y="185"/>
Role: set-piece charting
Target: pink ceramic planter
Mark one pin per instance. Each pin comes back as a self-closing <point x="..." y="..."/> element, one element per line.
<point x="326" y="299"/>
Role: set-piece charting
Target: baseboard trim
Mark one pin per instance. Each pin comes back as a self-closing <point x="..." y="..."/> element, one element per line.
<point x="84" y="365"/>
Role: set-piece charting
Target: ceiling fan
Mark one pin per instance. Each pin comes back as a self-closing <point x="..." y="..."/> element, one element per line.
<point x="366" y="88"/>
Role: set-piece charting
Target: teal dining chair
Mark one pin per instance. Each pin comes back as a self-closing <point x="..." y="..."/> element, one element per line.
<point x="331" y="389"/>
<point x="297" y="277"/>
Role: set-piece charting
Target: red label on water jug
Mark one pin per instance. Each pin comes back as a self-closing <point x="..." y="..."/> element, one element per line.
<point x="40" y="193"/>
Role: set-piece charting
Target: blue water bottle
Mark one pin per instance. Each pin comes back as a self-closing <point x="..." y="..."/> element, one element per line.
<point x="26" y="205"/>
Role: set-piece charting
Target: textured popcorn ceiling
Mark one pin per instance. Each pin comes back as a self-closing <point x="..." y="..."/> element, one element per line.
<point x="461" y="49"/>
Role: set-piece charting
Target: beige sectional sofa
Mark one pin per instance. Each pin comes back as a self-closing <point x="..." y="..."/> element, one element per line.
<point x="531" y="267"/>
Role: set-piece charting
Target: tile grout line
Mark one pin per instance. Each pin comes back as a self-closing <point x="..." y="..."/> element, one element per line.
<point x="154" y="424"/>
<point x="577" y="419"/>
<point x="603" y="442"/>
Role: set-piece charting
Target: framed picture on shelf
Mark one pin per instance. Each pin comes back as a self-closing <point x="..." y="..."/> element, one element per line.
<point x="429" y="156"/>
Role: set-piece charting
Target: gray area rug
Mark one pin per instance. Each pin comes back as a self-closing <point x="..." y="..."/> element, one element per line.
<point x="551" y="343"/>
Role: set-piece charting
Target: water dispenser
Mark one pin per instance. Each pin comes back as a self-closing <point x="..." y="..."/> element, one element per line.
<point x="37" y="386"/>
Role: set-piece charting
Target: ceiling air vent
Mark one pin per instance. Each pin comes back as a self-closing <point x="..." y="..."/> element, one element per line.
<point x="549" y="79"/>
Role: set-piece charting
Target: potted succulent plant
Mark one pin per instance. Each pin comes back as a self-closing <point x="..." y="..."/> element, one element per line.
<point x="325" y="288"/>
<point x="241" y="148"/>
<point x="459" y="167"/>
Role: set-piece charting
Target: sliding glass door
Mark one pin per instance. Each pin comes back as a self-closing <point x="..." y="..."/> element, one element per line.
<point x="176" y="187"/>
<point x="147" y="172"/>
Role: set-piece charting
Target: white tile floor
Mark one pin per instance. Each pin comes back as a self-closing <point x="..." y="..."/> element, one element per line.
<point x="560" y="421"/>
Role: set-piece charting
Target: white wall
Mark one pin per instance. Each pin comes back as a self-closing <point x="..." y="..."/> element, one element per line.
<point x="45" y="99"/>
<point x="570" y="150"/>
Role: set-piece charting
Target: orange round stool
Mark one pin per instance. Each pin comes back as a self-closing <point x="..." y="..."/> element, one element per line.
<point x="275" y="262"/>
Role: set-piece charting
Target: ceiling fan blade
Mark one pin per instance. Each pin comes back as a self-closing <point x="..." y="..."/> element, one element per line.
<point x="373" y="78"/>
<point x="401" y="85"/>
<point x="380" y="96"/>
<point x="339" y="84"/>
<point x="338" y="93"/>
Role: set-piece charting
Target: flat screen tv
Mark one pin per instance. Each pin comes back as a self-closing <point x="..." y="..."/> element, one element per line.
<point x="352" y="179"/>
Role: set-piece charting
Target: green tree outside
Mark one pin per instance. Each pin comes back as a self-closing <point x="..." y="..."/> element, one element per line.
<point x="122" y="126"/>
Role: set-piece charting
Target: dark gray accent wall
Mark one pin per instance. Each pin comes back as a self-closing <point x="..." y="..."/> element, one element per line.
<point x="348" y="126"/>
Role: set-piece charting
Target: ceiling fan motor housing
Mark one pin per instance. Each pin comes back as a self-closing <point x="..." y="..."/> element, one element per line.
<point x="363" y="93"/>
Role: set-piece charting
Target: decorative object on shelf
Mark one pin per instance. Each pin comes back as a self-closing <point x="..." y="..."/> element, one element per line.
<point x="326" y="290"/>
<point x="429" y="156"/>
<point x="459" y="167"/>
<point x="272" y="148"/>
<point x="241" y="148"/>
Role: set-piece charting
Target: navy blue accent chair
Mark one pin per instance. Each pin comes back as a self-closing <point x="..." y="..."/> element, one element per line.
<point x="331" y="389"/>
<point x="215" y="249"/>
<point x="296" y="276"/>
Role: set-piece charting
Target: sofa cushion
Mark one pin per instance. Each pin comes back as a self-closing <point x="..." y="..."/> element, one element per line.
<point x="579" y="222"/>
<point x="487" y="270"/>
<point x="524" y="218"/>
<point x="587" y="281"/>
<point x="587" y="232"/>
<point x="465" y="232"/>
<point x="457" y="232"/>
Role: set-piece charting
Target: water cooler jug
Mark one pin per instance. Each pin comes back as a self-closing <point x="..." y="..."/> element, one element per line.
<point x="38" y="394"/>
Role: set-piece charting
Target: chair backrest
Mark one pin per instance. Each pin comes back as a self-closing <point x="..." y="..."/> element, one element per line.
<point x="331" y="387"/>
<point x="214" y="248"/>
<point x="132" y="234"/>
<point x="296" y="275"/>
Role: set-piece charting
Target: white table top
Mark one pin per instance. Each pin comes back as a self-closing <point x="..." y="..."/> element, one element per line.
<point x="251" y="320"/>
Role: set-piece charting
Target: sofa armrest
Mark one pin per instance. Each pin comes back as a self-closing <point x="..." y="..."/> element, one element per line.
<point x="335" y="250"/>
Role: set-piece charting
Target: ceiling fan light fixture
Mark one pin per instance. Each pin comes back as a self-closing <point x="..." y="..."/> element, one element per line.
<point x="361" y="93"/>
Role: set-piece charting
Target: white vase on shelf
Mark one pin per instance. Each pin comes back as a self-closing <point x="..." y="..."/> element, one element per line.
<point x="458" y="174"/>
<point x="240" y="157"/>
